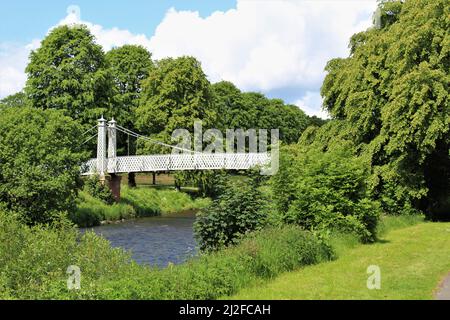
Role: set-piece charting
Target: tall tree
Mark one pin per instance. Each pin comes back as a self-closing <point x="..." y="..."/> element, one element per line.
<point x="130" y="65"/>
<point x="175" y="95"/>
<point x="251" y="110"/>
<point x="69" y="72"/>
<point x="393" y="91"/>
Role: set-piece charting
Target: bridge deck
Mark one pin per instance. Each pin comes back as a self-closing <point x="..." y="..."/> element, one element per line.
<point x="179" y="162"/>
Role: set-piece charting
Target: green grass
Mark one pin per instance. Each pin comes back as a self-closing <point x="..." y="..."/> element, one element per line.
<point x="262" y="255"/>
<point x="413" y="257"/>
<point x="138" y="202"/>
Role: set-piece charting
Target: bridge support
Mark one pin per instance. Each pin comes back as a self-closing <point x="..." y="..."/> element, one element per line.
<point x="114" y="182"/>
<point x="101" y="149"/>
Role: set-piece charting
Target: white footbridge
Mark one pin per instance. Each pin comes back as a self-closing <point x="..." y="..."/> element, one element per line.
<point x="107" y="161"/>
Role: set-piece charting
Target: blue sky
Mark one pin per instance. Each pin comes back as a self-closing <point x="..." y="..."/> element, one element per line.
<point x="277" y="47"/>
<point x="25" y="20"/>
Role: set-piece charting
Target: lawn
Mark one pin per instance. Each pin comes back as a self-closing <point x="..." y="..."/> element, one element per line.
<point x="413" y="260"/>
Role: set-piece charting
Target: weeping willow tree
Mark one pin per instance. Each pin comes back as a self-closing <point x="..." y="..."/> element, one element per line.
<point x="391" y="98"/>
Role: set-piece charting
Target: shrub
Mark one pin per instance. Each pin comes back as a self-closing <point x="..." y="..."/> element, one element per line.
<point x="40" y="158"/>
<point x="239" y="210"/>
<point x="91" y="211"/>
<point x="326" y="190"/>
<point x="136" y="202"/>
<point x="95" y="188"/>
<point x="34" y="260"/>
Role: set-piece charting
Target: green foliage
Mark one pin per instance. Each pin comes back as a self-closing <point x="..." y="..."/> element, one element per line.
<point x="174" y="96"/>
<point x="99" y="190"/>
<point x="129" y="66"/>
<point x="263" y="255"/>
<point x="394" y="92"/>
<point x="92" y="211"/>
<point x="135" y="202"/>
<point x="239" y="209"/>
<point x="40" y="159"/>
<point x="150" y="202"/>
<point x="255" y="111"/>
<point x="325" y="190"/>
<point x="69" y="72"/>
<point x="208" y="183"/>
<point x="34" y="260"/>
<point x="16" y="100"/>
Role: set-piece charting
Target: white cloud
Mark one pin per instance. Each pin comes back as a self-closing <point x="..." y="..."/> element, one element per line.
<point x="312" y="103"/>
<point x="13" y="61"/>
<point x="107" y="38"/>
<point x="261" y="45"/>
<point x="265" y="45"/>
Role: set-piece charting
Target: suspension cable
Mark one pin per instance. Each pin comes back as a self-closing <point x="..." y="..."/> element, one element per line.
<point x="94" y="136"/>
<point x="137" y="135"/>
<point x="87" y="131"/>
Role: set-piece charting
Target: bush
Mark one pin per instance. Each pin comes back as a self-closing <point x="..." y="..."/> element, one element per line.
<point x="136" y="202"/>
<point x="326" y="190"/>
<point x="95" y="188"/>
<point x="40" y="158"/>
<point x="34" y="260"/>
<point x="239" y="210"/>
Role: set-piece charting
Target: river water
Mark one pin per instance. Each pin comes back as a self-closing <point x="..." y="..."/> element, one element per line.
<point x="155" y="241"/>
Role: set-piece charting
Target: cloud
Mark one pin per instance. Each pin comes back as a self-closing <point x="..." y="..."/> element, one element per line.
<point x="311" y="103"/>
<point x="14" y="57"/>
<point x="13" y="61"/>
<point x="265" y="45"/>
<point x="107" y="38"/>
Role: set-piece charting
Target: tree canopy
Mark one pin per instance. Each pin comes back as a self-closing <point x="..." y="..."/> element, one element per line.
<point x="40" y="159"/>
<point x="393" y="92"/>
<point x="129" y="66"/>
<point x="69" y="72"/>
<point x="251" y="110"/>
<point x="174" y="96"/>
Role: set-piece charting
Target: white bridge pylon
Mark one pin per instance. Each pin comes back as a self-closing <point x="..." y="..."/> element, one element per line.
<point x="107" y="161"/>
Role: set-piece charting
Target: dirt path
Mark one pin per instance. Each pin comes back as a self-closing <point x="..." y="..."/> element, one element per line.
<point x="443" y="291"/>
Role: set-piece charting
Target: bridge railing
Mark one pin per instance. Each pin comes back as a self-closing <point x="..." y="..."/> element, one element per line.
<point x="180" y="162"/>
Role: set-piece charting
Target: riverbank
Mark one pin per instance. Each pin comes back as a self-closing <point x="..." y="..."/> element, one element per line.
<point x="412" y="260"/>
<point x="135" y="203"/>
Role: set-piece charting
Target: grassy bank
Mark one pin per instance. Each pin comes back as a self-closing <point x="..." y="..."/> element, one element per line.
<point x="411" y="254"/>
<point x="138" y="202"/>
<point x="34" y="260"/>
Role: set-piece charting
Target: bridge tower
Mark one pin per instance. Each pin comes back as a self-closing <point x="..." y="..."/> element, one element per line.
<point x="101" y="149"/>
<point x="115" y="180"/>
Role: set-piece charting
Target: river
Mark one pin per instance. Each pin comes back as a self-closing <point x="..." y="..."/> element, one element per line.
<point x="155" y="241"/>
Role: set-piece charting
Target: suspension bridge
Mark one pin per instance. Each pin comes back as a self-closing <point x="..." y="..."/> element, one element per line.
<point x="108" y="166"/>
